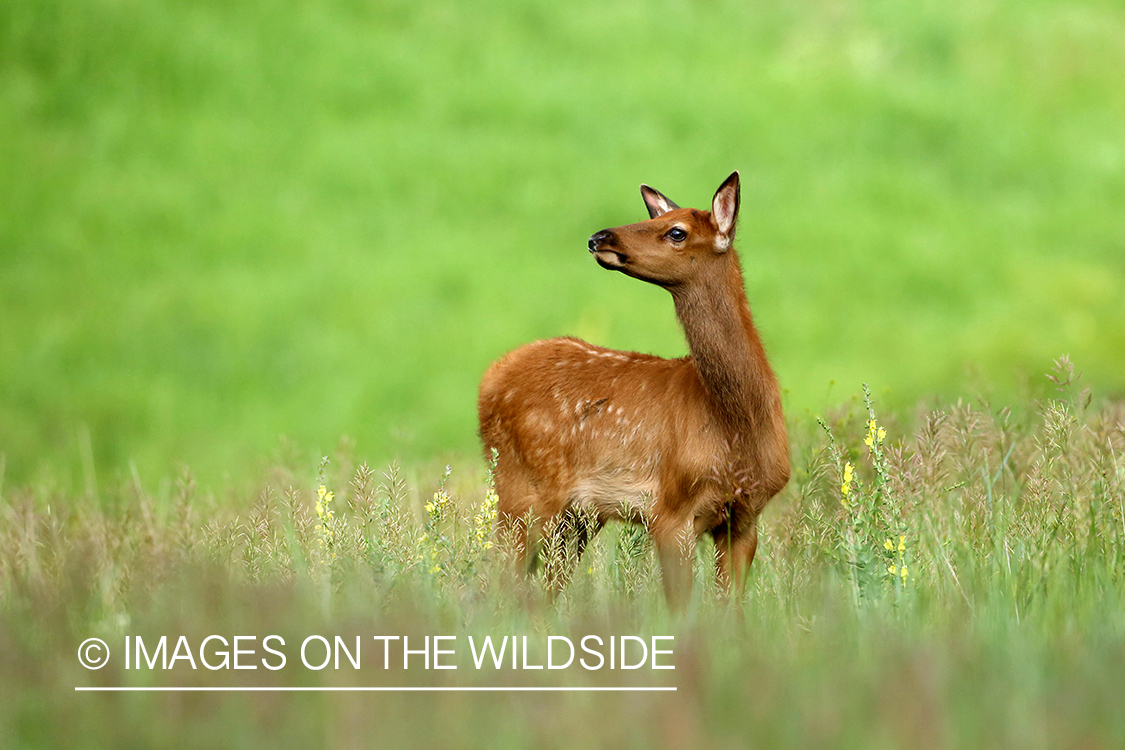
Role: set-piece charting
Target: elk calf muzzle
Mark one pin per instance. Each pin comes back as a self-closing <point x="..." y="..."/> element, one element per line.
<point x="602" y="239"/>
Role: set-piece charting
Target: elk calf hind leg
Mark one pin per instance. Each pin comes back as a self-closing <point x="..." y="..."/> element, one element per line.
<point x="517" y="528"/>
<point x="565" y="538"/>
<point x="674" y="550"/>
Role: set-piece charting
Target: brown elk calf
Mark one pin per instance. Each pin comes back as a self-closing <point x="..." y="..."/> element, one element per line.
<point x="686" y="446"/>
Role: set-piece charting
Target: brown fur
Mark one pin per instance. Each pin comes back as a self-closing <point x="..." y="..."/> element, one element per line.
<point x="687" y="446"/>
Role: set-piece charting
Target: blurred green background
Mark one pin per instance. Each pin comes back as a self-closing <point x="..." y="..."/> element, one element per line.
<point x="225" y="222"/>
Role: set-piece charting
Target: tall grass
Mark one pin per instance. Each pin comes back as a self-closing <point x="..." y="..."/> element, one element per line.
<point x="966" y="589"/>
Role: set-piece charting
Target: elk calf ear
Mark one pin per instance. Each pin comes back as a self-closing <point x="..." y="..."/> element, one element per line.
<point x="724" y="209"/>
<point x="656" y="202"/>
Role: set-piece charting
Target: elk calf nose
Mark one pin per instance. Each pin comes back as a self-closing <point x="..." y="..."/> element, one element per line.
<point x="601" y="239"/>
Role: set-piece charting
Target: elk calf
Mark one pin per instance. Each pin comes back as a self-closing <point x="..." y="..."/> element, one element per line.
<point x="688" y="446"/>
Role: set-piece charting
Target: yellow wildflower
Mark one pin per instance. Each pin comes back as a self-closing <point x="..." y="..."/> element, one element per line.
<point x="888" y="546"/>
<point x="902" y="544"/>
<point x="325" y="529"/>
<point x="875" y="434"/>
<point x="846" y="487"/>
<point x="486" y="518"/>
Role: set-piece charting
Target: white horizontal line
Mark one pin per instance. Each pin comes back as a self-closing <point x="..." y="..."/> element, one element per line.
<point x="404" y="689"/>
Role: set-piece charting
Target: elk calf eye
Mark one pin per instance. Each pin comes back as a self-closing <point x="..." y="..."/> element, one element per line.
<point x="676" y="234"/>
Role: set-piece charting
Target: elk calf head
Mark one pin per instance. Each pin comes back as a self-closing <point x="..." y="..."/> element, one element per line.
<point x="675" y="245"/>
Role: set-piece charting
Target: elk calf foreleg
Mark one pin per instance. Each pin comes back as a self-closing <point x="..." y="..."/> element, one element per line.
<point x="735" y="545"/>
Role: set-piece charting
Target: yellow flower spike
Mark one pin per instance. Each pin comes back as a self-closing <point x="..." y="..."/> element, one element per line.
<point x="846" y="487"/>
<point x="902" y="544"/>
<point x="321" y="492"/>
<point x="904" y="574"/>
<point x="887" y="545"/>
<point x="875" y="434"/>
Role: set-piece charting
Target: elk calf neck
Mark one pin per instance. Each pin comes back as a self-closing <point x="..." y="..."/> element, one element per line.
<point x="688" y="446"/>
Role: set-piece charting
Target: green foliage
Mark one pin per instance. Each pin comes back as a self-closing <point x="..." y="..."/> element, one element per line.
<point x="223" y="222"/>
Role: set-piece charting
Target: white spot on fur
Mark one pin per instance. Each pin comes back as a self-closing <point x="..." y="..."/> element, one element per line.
<point x="581" y="345"/>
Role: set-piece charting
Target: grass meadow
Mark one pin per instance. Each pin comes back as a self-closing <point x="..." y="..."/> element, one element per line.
<point x="957" y="583"/>
<point x="224" y="222"/>
<point x="236" y="238"/>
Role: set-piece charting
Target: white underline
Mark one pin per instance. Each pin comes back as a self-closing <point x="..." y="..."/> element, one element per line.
<point x="404" y="689"/>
